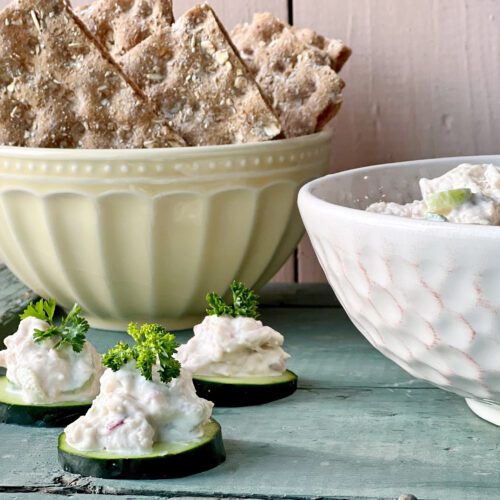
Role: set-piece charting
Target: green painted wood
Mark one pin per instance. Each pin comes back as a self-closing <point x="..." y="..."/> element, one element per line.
<point x="358" y="427"/>
<point x="313" y="334"/>
<point x="92" y="496"/>
<point x="14" y="296"/>
<point x="296" y="294"/>
<point x="371" y="443"/>
<point x="46" y="495"/>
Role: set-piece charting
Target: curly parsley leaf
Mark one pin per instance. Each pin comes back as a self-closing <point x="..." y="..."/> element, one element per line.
<point x="153" y="345"/>
<point x="41" y="335"/>
<point x="71" y="332"/>
<point x="43" y="309"/>
<point x="217" y="306"/>
<point x="245" y="303"/>
<point x="74" y="328"/>
<point x="118" y="356"/>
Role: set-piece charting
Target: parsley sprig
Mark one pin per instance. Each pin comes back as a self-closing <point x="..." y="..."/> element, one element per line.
<point x="71" y="331"/>
<point x="153" y="344"/>
<point x="245" y="302"/>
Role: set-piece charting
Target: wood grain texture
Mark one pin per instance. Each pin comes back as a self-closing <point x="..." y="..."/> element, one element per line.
<point x="358" y="427"/>
<point x="14" y="297"/>
<point x="422" y="82"/>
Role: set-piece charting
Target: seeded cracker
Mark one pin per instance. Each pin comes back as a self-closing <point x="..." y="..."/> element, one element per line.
<point x="337" y="50"/>
<point x="121" y="24"/>
<point x="192" y="73"/>
<point x="296" y="77"/>
<point x="59" y="89"/>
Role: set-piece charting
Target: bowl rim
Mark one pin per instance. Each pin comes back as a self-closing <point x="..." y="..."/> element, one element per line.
<point x="183" y="152"/>
<point x="306" y="196"/>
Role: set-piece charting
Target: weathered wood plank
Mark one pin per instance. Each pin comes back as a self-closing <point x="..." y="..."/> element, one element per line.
<point x="343" y="444"/>
<point x="298" y="295"/>
<point x="14" y="297"/>
<point x="358" y="427"/>
<point x="317" y="338"/>
<point x="47" y="495"/>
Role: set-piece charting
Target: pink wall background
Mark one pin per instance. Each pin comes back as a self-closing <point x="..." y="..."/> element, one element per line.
<point x="424" y="80"/>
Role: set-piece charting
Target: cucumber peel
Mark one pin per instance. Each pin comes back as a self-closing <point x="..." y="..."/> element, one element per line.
<point x="167" y="460"/>
<point x="245" y="391"/>
<point x="14" y="410"/>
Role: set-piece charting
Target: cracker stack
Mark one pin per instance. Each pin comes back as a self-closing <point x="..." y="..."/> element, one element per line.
<point x="121" y="25"/>
<point x="296" y="71"/>
<point x="193" y="75"/>
<point x="59" y="89"/>
<point x="127" y="76"/>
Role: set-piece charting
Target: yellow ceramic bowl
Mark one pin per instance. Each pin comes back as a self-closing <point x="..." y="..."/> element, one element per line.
<point x="142" y="235"/>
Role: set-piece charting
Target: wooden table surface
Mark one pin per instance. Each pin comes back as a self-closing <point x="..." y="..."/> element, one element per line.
<point x="357" y="428"/>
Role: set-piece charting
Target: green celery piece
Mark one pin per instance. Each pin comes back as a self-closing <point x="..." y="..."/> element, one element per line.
<point x="444" y="202"/>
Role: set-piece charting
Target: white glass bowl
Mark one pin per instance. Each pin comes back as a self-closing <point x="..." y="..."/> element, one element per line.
<point x="425" y="294"/>
<point x="143" y="235"/>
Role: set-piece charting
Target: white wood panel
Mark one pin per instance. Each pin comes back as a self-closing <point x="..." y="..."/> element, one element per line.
<point x="423" y="81"/>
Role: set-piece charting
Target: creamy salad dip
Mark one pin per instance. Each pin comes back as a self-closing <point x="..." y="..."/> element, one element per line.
<point x="468" y="194"/>
<point x="41" y="374"/>
<point x="131" y="413"/>
<point x="233" y="347"/>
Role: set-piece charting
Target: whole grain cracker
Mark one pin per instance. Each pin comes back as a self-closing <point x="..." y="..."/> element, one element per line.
<point x="193" y="74"/>
<point x="337" y="50"/>
<point x="59" y="89"/>
<point x="121" y="24"/>
<point x="297" y="77"/>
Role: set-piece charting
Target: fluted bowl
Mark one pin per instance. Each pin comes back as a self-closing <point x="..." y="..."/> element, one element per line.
<point x="142" y="235"/>
<point x="425" y="294"/>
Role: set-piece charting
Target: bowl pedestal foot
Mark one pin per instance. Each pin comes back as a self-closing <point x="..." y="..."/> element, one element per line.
<point x="487" y="411"/>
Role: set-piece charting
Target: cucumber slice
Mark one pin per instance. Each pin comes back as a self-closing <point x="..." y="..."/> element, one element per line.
<point x="13" y="410"/>
<point x="168" y="460"/>
<point x="444" y="202"/>
<point x="245" y="391"/>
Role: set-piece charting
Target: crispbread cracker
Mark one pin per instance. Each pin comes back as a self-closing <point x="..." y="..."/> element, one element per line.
<point x="59" y="89"/>
<point x="192" y="73"/>
<point x="337" y="50"/>
<point x="296" y="77"/>
<point x="121" y="24"/>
